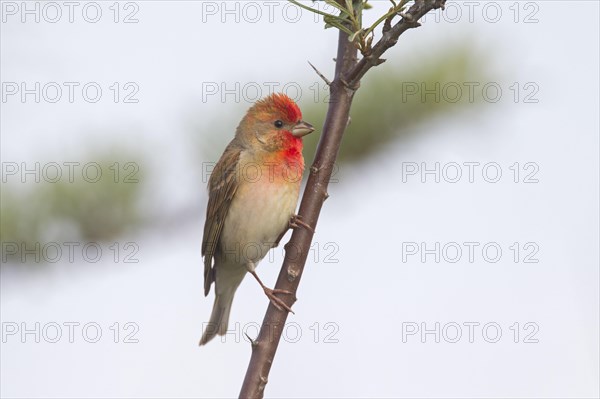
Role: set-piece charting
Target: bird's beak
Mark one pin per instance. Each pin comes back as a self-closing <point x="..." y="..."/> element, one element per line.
<point x="302" y="129"/>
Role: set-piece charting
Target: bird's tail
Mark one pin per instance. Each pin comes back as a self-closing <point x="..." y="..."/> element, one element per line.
<point x="219" y="318"/>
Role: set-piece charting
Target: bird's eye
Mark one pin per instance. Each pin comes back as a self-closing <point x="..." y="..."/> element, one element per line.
<point x="278" y="124"/>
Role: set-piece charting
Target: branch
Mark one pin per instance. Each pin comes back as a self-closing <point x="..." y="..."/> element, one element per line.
<point x="327" y="82"/>
<point x="296" y="251"/>
<point x="348" y="73"/>
<point x="390" y="38"/>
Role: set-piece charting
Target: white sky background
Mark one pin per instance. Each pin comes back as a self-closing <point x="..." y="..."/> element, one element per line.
<point x="169" y="54"/>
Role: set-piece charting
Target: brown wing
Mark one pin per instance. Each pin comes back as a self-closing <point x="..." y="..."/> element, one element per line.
<point x="222" y="186"/>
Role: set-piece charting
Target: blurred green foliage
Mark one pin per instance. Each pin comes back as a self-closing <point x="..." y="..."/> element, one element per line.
<point x="88" y="207"/>
<point x="394" y="98"/>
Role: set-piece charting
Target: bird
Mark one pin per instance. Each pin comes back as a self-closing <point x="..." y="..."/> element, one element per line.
<point x="252" y="196"/>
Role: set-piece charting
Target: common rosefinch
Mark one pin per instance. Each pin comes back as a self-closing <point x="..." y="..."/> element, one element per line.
<point x="253" y="192"/>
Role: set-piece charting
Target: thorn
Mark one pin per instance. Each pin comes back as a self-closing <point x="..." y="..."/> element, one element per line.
<point x="349" y="121"/>
<point x="327" y="81"/>
<point x="326" y="196"/>
<point x="375" y="60"/>
<point x="253" y="343"/>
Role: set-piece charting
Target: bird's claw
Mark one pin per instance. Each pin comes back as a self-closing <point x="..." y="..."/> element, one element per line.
<point x="278" y="303"/>
<point x="296" y="221"/>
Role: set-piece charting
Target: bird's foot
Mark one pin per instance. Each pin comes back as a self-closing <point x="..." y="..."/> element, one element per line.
<point x="271" y="294"/>
<point x="296" y="221"/>
<point x="277" y="302"/>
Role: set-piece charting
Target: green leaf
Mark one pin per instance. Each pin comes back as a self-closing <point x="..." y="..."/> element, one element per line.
<point x="335" y="4"/>
<point x="314" y="10"/>
<point x="349" y="7"/>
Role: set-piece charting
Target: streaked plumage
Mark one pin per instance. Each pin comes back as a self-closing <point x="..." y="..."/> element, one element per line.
<point x="253" y="192"/>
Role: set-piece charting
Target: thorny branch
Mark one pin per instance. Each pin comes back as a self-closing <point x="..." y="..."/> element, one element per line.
<point x="348" y="72"/>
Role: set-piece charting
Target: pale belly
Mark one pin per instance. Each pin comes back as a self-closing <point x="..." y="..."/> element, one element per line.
<point x="258" y="214"/>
